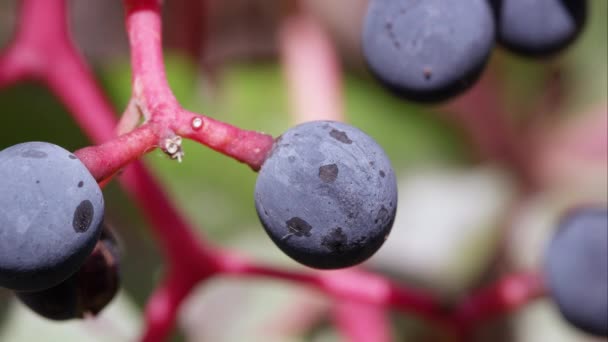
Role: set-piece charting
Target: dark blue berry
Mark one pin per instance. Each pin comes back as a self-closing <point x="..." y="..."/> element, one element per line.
<point x="87" y="291"/>
<point x="539" y="27"/>
<point x="576" y="269"/>
<point x="51" y="210"/>
<point x="428" y="50"/>
<point x="327" y="195"/>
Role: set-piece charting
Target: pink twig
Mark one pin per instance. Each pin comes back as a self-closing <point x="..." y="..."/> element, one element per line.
<point x="350" y="284"/>
<point x="504" y="296"/>
<point x="361" y="323"/>
<point x="312" y="70"/>
<point x="154" y="98"/>
<point x="162" y="307"/>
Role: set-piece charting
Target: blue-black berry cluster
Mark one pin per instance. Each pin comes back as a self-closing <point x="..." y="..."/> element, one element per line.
<point x="432" y="50"/>
<point x="326" y="195"/>
<point x="51" y="215"/>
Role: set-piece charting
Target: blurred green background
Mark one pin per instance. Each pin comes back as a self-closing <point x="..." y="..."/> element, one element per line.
<point x="439" y="175"/>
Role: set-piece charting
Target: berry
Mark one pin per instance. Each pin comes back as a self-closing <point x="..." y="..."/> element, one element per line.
<point x="51" y="211"/>
<point x="87" y="291"/>
<point x="326" y="195"/>
<point x="539" y="27"/>
<point x="428" y="50"/>
<point x="576" y="269"/>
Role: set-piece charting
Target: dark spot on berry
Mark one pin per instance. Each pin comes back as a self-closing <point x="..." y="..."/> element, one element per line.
<point x="340" y="136"/>
<point x="382" y="215"/>
<point x="80" y="184"/>
<point x="83" y="216"/>
<point x="328" y="173"/>
<point x="71" y="156"/>
<point x="382" y="174"/>
<point x="37" y="182"/>
<point x="335" y="241"/>
<point x="298" y="227"/>
<point x="33" y="154"/>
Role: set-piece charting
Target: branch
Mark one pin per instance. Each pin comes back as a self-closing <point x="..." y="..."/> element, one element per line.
<point x="154" y="98"/>
<point x="163" y="305"/>
<point x="504" y="296"/>
<point x="312" y="69"/>
<point x="362" y="323"/>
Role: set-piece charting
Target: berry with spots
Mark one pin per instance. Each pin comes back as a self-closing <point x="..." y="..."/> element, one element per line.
<point x="576" y="269"/>
<point x="327" y="195"/>
<point x="428" y="50"/>
<point x="51" y="210"/>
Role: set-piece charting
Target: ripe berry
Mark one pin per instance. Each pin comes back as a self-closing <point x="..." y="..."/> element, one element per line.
<point x="539" y="27"/>
<point x="87" y="291"/>
<point x="51" y="211"/>
<point x="428" y="50"/>
<point x="576" y="269"/>
<point x="326" y="195"/>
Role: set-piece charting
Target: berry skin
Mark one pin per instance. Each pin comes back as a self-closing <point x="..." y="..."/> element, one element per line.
<point x="538" y="28"/>
<point x="51" y="210"/>
<point x="87" y="291"/>
<point x="428" y="50"/>
<point x="326" y="195"/>
<point x="576" y="269"/>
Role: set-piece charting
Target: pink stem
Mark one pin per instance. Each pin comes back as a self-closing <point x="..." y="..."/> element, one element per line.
<point x="312" y="69"/>
<point x="249" y="147"/>
<point x="361" y="323"/>
<point x="350" y="284"/>
<point x="103" y="160"/>
<point x="162" y="307"/>
<point x="504" y="296"/>
<point x="152" y="94"/>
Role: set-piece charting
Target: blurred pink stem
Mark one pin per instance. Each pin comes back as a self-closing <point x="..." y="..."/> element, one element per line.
<point x="163" y="305"/>
<point x="312" y="69"/>
<point x="361" y="322"/>
<point x="505" y="295"/>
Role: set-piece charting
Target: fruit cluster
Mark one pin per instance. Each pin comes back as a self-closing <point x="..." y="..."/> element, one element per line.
<point x="435" y="49"/>
<point x="326" y="193"/>
<point x="54" y="251"/>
